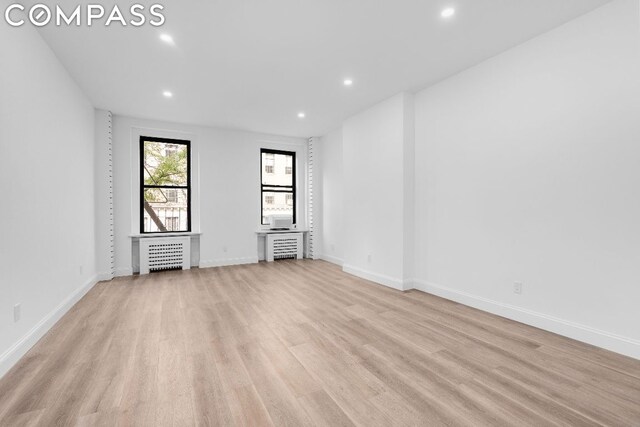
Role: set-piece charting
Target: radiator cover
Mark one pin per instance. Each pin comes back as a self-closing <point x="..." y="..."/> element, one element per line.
<point x="165" y="253"/>
<point x="283" y="246"/>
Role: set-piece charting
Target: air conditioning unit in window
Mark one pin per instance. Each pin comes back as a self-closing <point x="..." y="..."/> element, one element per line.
<point x="280" y="222"/>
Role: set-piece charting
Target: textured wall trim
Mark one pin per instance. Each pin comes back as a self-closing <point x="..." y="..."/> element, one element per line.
<point x="112" y="261"/>
<point x="312" y="250"/>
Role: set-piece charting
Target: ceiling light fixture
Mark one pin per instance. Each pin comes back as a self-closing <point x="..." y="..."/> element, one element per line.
<point x="301" y="115"/>
<point x="167" y="39"/>
<point x="448" y="12"/>
<point x="348" y="82"/>
<point x="167" y="94"/>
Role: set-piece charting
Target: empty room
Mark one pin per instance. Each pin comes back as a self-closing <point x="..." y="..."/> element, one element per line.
<point x="320" y="213"/>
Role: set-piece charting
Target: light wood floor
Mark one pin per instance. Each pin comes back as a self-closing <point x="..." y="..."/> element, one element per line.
<point x="302" y="343"/>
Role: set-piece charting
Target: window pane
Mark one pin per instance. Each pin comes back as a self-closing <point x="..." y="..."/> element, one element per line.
<point x="276" y="204"/>
<point x="165" y="210"/>
<point x="165" y="163"/>
<point x="274" y="169"/>
<point x="171" y="195"/>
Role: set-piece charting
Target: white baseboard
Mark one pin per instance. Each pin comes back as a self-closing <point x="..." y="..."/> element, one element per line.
<point x="381" y="279"/>
<point x="124" y="272"/>
<point x="332" y="259"/>
<point x="101" y="277"/>
<point x="619" y="344"/>
<point x="13" y="354"/>
<point x="221" y="262"/>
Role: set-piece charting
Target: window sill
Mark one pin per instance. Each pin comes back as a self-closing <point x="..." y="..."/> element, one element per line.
<point x="152" y="235"/>
<point x="293" y="230"/>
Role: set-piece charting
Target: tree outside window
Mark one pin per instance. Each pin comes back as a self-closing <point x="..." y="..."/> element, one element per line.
<point x="165" y="188"/>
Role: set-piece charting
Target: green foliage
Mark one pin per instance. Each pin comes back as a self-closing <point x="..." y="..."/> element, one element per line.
<point x="161" y="169"/>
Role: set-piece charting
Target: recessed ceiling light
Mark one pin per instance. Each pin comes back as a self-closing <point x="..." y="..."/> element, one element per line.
<point x="301" y="115"/>
<point x="167" y="38"/>
<point x="167" y="94"/>
<point x="348" y="82"/>
<point x="448" y="12"/>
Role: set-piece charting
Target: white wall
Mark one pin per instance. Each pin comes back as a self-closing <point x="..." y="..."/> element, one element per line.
<point x="225" y="181"/>
<point x="47" y="242"/>
<point x="528" y="169"/>
<point x="375" y="146"/>
<point x="408" y="194"/>
<point x="331" y="175"/>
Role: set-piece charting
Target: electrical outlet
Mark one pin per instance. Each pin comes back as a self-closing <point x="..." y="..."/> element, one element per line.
<point x="224" y="249"/>
<point x="81" y="269"/>
<point x="16" y="313"/>
<point x="517" y="287"/>
<point x="333" y="248"/>
<point x="369" y="258"/>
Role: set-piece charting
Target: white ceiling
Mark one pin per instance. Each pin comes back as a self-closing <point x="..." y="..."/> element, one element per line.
<point x="254" y="64"/>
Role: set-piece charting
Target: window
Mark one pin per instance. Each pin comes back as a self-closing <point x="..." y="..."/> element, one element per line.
<point x="165" y="185"/>
<point x="278" y="184"/>
<point x="269" y="160"/>
<point x="171" y="195"/>
<point x="170" y="149"/>
<point x="288" y="169"/>
<point x="172" y="223"/>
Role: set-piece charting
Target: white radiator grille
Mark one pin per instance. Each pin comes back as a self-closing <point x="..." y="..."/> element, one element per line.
<point x="170" y="253"/>
<point x="282" y="246"/>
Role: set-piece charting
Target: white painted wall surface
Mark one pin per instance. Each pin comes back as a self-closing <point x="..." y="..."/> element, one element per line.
<point x="226" y="187"/>
<point x="528" y="169"/>
<point x="47" y="243"/>
<point x="331" y="175"/>
<point x="408" y="192"/>
<point x="373" y="148"/>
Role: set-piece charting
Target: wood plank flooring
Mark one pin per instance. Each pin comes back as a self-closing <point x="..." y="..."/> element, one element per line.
<point x="302" y="343"/>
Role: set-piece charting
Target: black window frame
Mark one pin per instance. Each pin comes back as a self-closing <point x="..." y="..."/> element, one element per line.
<point x="278" y="188"/>
<point x="185" y="142"/>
